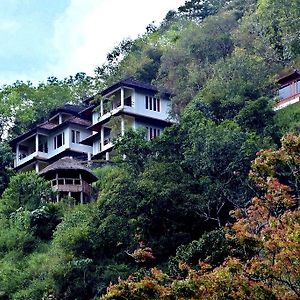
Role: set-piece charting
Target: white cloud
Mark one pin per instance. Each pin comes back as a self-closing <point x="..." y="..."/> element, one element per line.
<point x="88" y="30"/>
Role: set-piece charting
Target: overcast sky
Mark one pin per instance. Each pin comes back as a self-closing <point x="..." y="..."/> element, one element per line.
<point x="42" y="38"/>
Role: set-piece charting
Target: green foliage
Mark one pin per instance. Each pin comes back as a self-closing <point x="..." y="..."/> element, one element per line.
<point x="186" y="67"/>
<point x="135" y="147"/>
<point x="159" y="202"/>
<point x="288" y="119"/>
<point x="26" y="190"/>
<point x="280" y="21"/>
<point x="72" y="233"/>
<point x="21" y="104"/>
<point x="257" y="115"/>
<point x="219" y="157"/>
<point x="211" y="248"/>
<point x="44" y="220"/>
<point x="199" y="10"/>
<point x="6" y="158"/>
<point x="235" y="82"/>
<point x="275" y="258"/>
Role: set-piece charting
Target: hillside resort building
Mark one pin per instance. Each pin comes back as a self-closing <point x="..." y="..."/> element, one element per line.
<point x="74" y="133"/>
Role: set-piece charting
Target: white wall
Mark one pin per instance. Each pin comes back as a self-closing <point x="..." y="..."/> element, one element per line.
<point x="68" y="141"/>
<point x="84" y="133"/>
<point x="139" y="124"/>
<point x="65" y="146"/>
<point x="140" y="107"/>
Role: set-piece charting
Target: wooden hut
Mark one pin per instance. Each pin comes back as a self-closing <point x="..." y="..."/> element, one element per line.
<point x="69" y="177"/>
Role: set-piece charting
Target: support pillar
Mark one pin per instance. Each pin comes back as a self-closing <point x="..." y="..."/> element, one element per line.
<point x="102" y="138"/>
<point x="56" y="183"/>
<point x="101" y="107"/>
<point x="17" y="154"/>
<point x="37" y="142"/>
<point x="89" y="156"/>
<point x="122" y="126"/>
<point x="37" y="169"/>
<point x="122" y="97"/>
<point x="107" y="156"/>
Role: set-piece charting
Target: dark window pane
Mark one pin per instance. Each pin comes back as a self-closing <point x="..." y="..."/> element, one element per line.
<point x="147" y="102"/>
<point x="128" y="101"/>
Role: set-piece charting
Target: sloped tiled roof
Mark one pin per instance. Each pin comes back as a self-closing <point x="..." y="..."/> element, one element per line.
<point x="48" y="126"/>
<point x="68" y="108"/>
<point x="132" y="83"/>
<point x="289" y="76"/>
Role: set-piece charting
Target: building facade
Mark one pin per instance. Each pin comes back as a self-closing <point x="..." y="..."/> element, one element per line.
<point x="87" y="132"/>
<point x="289" y="91"/>
<point x="124" y="105"/>
<point x="49" y="141"/>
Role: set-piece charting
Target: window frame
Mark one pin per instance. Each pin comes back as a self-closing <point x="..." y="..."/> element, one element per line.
<point x="56" y="140"/>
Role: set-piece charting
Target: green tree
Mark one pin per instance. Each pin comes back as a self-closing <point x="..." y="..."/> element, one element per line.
<point x="235" y="82"/>
<point x="198" y="10"/>
<point x="6" y="158"/>
<point x="25" y="190"/>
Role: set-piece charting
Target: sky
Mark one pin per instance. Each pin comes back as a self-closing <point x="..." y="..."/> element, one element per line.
<point x="43" y="38"/>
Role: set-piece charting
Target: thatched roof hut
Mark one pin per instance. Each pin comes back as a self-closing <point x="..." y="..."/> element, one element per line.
<point x="68" y="166"/>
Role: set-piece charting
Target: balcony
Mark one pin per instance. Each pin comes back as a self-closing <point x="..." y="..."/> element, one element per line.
<point x="289" y="93"/>
<point x="73" y="185"/>
<point x="25" y="157"/>
<point x="113" y="103"/>
<point x="34" y="146"/>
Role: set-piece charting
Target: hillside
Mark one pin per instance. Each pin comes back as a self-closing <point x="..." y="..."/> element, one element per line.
<point x="180" y="217"/>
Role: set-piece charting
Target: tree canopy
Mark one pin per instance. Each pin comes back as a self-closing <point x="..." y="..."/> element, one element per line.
<point x="200" y="212"/>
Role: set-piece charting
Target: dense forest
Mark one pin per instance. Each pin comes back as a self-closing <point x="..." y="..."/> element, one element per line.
<point x="207" y="210"/>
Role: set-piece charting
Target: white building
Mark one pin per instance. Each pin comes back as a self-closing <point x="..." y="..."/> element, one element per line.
<point x="85" y="133"/>
<point x="49" y="141"/>
<point x="289" y="91"/>
<point x="126" y="104"/>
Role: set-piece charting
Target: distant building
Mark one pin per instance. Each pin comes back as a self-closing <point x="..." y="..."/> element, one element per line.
<point x="49" y="141"/>
<point x="289" y="91"/>
<point x="126" y="104"/>
<point x="72" y="133"/>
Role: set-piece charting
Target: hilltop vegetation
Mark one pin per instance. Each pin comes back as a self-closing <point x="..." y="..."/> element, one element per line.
<point x="157" y="229"/>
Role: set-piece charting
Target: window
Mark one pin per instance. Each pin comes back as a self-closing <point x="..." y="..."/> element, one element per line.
<point x="128" y="101"/>
<point x="147" y="102"/>
<point x="43" y="147"/>
<point x="158" y="104"/>
<point x="289" y="90"/>
<point x="152" y="133"/>
<point x="59" y="140"/>
<point x="75" y="136"/>
<point x="106" y="135"/>
<point x="152" y="103"/>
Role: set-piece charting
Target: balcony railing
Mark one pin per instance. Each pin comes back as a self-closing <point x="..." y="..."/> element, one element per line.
<point x="71" y="185"/>
<point x="287" y="101"/>
<point x="25" y="157"/>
